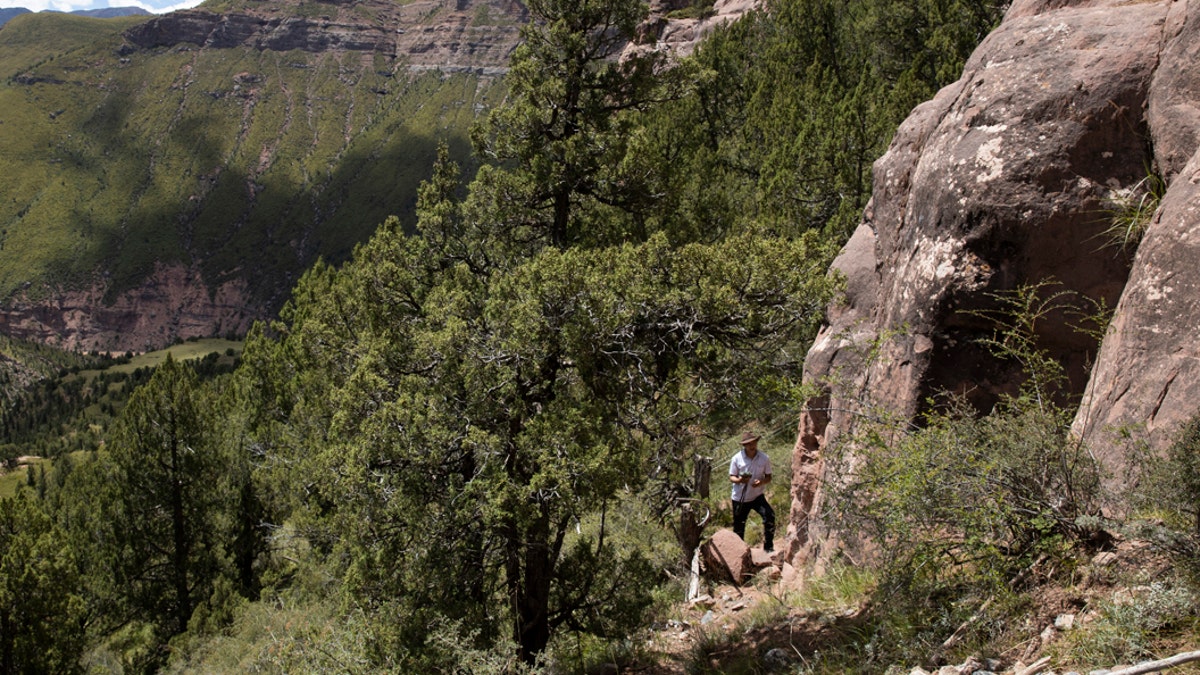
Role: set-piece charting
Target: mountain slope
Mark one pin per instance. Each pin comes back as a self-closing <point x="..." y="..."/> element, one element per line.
<point x="167" y="179"/>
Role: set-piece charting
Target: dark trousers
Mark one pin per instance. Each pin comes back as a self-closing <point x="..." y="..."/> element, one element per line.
<point x="741" y="511"/>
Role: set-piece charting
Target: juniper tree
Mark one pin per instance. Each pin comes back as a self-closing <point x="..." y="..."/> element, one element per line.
<point x="41" y="611"/>
<point x="456" y="404"/>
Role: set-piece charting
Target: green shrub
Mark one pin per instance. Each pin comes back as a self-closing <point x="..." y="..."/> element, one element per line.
<point x="1169" y="492"/>
<point x="959" y="508"/>
<point x="1129" y="625"/>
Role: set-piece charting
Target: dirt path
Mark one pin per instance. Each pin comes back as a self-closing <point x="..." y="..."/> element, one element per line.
<point x="732" y="626"/>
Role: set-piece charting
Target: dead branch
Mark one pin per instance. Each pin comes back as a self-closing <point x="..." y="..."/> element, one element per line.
<point x="1155" y="666"/>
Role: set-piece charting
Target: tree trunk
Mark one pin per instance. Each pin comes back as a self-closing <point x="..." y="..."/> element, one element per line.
<point x="691" y="530"/>
<point x="532" y="620"/>
<point x="181" y="552"/>
<point x="702" y="475"/>
<point x="691" y="526"/>
<point x="7" y="667"/>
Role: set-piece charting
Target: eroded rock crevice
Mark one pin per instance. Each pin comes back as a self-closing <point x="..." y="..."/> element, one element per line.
<point x="1004" y="180"/>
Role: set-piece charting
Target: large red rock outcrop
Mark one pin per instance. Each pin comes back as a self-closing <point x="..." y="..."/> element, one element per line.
<point x="1003" y="180"/>
<point x="173" y="303"/>
<point x="1147" y="377"/>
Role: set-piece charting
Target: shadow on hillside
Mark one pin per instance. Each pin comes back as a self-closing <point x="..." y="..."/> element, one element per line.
<point x="258" y="207"/>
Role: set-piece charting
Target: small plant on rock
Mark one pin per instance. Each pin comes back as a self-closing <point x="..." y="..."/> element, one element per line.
<point x="1132" y="209"/>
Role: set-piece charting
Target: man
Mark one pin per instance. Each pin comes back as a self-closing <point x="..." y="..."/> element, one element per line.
<point x="750" y="472"/>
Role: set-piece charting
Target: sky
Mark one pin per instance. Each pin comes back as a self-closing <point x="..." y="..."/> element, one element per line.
<point x="156" y="6"/>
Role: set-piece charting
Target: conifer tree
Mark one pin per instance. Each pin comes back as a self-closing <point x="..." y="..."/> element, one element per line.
<point x="468" y="397"/>
<point x="41" y="611"/>
<point x="164" y="477"/>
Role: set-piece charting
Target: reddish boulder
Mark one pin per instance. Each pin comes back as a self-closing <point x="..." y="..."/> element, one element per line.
<point x="727" y="557"/>
<point x="1002" y="180"/>
<point x="1147" y="376"/>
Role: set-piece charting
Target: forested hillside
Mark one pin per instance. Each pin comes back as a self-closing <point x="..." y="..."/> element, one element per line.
<point x="458" y="451"/>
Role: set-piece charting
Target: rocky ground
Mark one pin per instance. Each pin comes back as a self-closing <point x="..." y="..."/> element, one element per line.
<point x="763" y="625"/>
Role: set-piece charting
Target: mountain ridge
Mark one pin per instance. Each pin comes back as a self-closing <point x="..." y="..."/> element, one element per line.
<point x="101" y="13"/>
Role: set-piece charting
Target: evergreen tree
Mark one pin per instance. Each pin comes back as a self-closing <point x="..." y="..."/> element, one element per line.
<point x="153" y="511"/>
<point x="567" y="124"/>
<point x="462" y="400"/>
<point x="41" y="611"/>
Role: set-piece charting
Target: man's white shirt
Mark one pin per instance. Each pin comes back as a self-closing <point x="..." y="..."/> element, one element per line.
<point x="759" y="468"/>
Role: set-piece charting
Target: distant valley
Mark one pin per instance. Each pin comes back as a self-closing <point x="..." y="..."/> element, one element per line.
<point x="173" y="176"/>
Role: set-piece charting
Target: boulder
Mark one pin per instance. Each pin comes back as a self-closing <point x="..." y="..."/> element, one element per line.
<point x="1002" y="180"/>
<point x="727" y="557"/>
<point x="1147" y="375"/>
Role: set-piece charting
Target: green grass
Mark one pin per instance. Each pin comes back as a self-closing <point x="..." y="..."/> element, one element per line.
<point x="1131" y="210"/>
<point x="186" y="351"/>
<point x="11" y="481"/>
<point x="30" y="39"/>
<point x="16" y="479"/>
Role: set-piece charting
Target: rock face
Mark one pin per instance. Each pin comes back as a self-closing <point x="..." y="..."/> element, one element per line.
<point x="1148" y="373"/>
<point x="451" y="35"/>
<point x="173" y="303"/>
<point x="1005" y="179"/>
<point x="679" y="36"/>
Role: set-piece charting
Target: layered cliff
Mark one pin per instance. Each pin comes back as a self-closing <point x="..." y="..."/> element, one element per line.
<point x="456" y="36"/>
<point x="1006" y="178"/>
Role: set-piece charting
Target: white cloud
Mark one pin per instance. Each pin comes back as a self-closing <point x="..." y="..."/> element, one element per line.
<point x="156" y="6"/>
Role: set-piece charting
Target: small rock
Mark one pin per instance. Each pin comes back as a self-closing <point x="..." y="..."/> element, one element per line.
<point x="704" y="601"/>
<point x="760" y="558"/>
<point x="971" y="665"/>
<point x="1064" y="622"/>
<point x="771" y="573"/>
<point x="708" y="617"/>
<point x="777" y="659"/>
<point x="789" y="573"/>
<point x="1104" y="559"/>
<point x="949" y="670"/>
<point x="918" y="671"/>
